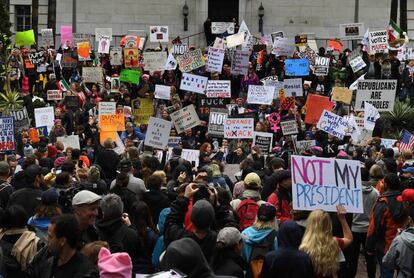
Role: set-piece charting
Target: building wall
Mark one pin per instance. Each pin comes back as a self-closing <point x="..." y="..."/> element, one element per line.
<point x="43" y="4"/>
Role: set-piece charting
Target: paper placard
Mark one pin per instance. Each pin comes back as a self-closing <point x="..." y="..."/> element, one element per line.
<point x="357" y="64"/>
<point x="179" y="49"/>
<point x="342" y="94"/>
<point x="297" y="67"/>
<point x="289" y="127"/>
<point x="130" y="76"/>
<point x="191" y="60"/>
<point x="218" y="89"/>
<point x="379" y="93"/>
<point x="222" y="27"/>
<point x="116" y="56"/>
<point x="47" y="37"/>
<point x="156" y="133"/>
<point x="321" y="66"/>
<point x="378" y="42"/>
<point x="315" y="105"/>
<point x="293" y="87"/>
<point x="107" y="107"/>
<point x="21" y="119"/>
<point x="185" y="118"/>
<point x="304" y="145"/>
<point x="131" y="58"/>
<point x="301" y="40"/>
<point x="388" y="143"/>
<point x="45" y="116"/>
<point x="162" y="92"/>
<point x="174" y="141"/>
<point x="238" y="128"/>
<point x="37" y="58"/>
<point x="264" y="141"/>
<point x="142" y="109"/>
<point x="114" y="122"/>
<point x="283" y="47"/>
<point x="159" y="34"/>
<point x="92" y="74"/>
<point x="103" y="32"/>
<point x="54" y="95"/>
<point x="66" y="36"/>
<point x="171" y="63"/>
<point x="83" y="50"/>
<point x="235" y="40"/>
<point x="215" y="59"/>
<point x="332" y="124"/>
<point x="351" y="31"/>
<point x="216" y="122"/>
<point x="104" y="44"/>
<point x="324" y="183"/>
<point x="7" y="141"/>
<point x="240" y="63"/>
<point x="69" y="141"/>
<point x="260" y="94"/>
<point x="155" y="61"/>
<point x="193" y="83"/>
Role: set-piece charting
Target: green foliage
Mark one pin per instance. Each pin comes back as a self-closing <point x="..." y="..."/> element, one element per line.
<point x="401" y="117"/>
<point x="10" y="101"/>
<point x="5" y="25"/>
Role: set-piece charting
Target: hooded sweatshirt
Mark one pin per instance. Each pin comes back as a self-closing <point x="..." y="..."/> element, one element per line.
<point x="401" y="254"/>
<point x="360" y="221"/>
<point x="255" y="237"/>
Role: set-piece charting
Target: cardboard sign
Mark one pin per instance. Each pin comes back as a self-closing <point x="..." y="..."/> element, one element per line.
<point x="215" y="59"/>
<point x="218" y="89"/>
<point x="155" y="61"/>
<point x="102" y="33"/>
<point x="240" y="62"/>
<point x="315" y="105"/>
<point x="83" y="50"/>
<point x="107" y="107"/>
<point x="332" y="124"/>
<point x="379" y="93"/>
<point x="162" y="92"/>
<point x="264" y="141"/>
<point x="156" y="133"/>
<point x="357" y="64"/>
<point x="159" y="34"/>
<point x="239" y="128"/>
<point x="324" y="183"/>
<point x="54" y="95"/>
<point x="115" y="55"/>
<point x="378" y="42"/>
<point x="260" y="95"/>
<point x="297" y="67"/>
<point x="21" y="119"/>
<point x="47" y="37"/>
<point x="114" y="122"/>
<point x="130" y="76"/>
<point x="92" y="74"/>
<point x="171" y="63"/>
<point x="179" y="49"/>
<point x="342" y="94"/>
<point x="293" y="87"/>
<point x="45" y="116"/>
<point x="69" y="141"/>
<point x="191" y="60"/>
<point x="235" y="40"/>
<point x="283" y="47"/>
<point x="37" y="58"/>
<point x="131" y="57"/>
<point x="222" y="27"/>
<point x="142" y="109"/>
<point x="7" y="141"/>
<point x="351" y="31"/>
<point x="185" y="118"/>
<point x="216" y="122"/>
<point x="193" y="83"/>
<point x="289" y="127"/>
<point x="321" y="66"/>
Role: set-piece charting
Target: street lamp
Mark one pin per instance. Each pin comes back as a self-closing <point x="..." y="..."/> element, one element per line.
<point x="185" y="14"/>
<point x="261" y="14"/>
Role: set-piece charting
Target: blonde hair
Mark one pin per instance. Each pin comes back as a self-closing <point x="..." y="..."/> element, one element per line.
<point x="263" y="225"/>
<point x="319" y="243"/>
<point x="376" y="172"/>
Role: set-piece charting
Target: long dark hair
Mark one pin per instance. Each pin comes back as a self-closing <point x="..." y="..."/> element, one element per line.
<point x="141" y="218"/>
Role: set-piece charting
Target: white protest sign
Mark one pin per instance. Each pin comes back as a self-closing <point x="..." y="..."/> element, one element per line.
<point x="47" y="37"/>
<point x="171" y="63"/>
<point x="69" y="141"/>
<point x="235" y="40"/>
<point x="103" y="32"/>
<point x="388" y="143"/>
<point x="357" y="64"/>
<point x="264" y="141"/>
<point x="157" y="132"/>
<point x="185" y="118"/>
<point x="304" y="145"/>
<point x="244" y="29"/>
<point x="159" y="34"/>
<point x="289" y="127"/>
<point x="324" y="183"/>
<point x="260" y="94"/>
<point x="45" y="117"/>
<point x="92" y="74"/>
<point x="174" y="141"/>
<point x="193" y="83"/>
<point x="332" y="124"/>
<point x="283" y="47"/>
<point x="240" y="63"/>
<point x="104" y="44"/>
<point x="379" y="93"/>
<point x="116" y="56"/>
<point x="162" y="92"/>
<point x="293" y="87"/>
<point x="371" y="115"/>
<point x="54" y="95"/>
<point x="321" y="67"/>
<point x="180" y="49"/>
<point x="216" y="122"/>
<point x="277" y="34"/>
<point x="405" y="54"/>
<point x="218" y="89"/>
<point x="107" y="107"/>
<point x="222" y="27"/>
<point x="354" y="86"/>
<point x="215" y="59"/>
<point x="191" y="155"/>
<point x="378" y="42"/>
<point x="238" y="128"/>
<point x="351" y="31"/>
<point x="219" y="43"/>
<point x="155" y="61"/>
<point x="353" y="129"/>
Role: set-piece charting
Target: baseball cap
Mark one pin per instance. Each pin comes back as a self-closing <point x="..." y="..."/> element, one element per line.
<point x="229" y="236"/>
<point x="202" y="214"/>
<point x="266" y="212"/>
<point x="251" y="179"/>
<point x="4" y="167"/>
<point x="407" y="195"/>
<point x="85" y="197"/>
<point x="408" y="170"/>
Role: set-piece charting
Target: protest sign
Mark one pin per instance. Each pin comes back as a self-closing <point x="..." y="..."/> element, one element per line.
<point x="131" y="57"/>
<point x="379" y="93"/>
<point x="113" y="122"/>
<point x="103" y="135"/>
<point x="132" y="41"/>
<point x="191" y="155"/>
<point x="103" y="32"/>
<point x="308" y="53"/>
<point x="174" y="141"/>
<point x="194" y="83"/>
<point x="342" y="94"/>
<point x="218" y="89"/>
<point x="127" y="111"/>
<point x="264" y="141"/>
<point x="162" y="92"/>
<point x="335" y="45"/>
<point x="332" y="124"/>
<point x="116" y="56"/>
<point x="243" y="28"/>
<point x="405" y="53"/>
<point x="371" y="115"/>
<point x="216" y="122"/>
<point x="171" y="63"/>
<point x="155" y="61"/>
<point x="215" y="59"/>
<point x="25" y="38"/>
<point x="378" y="42"/>
<point x="7" y="141"/>
<point x="66" y="36"/>
<point x="104" y="44"/>
<point x="283" y="47"/>
<point x="205" y="104"/>
<point x="37" y="57"/>
<point x="157" y="132"/>
<point x="315" y="106"/>
<point x="115" y="84"/>
<point x="69" y="141"/>
<point x="130" y="76"/>
<point x="142" y="109"/>
<point x="179" y="49"/>
<point x="235" y="40"/>
<point x="240" y="63"/>
<point x="21" y="119"/>
<point x="42" y="131"/>
<point x="185" y="118"/>
<point x="47" y="37"/>
<point x="354" y="86"/>
<point x="81" y="37"/>
<point x="222" y="27"/>
<point x="191" y="60"/>
<point x="321" y="66"/>
<point x="219" y="43"/>
<point x="304" y="145"/>
<point x="92" y="74"/>
<point x="83" y="51"/>
<point x="357" y="64"/>
<point x="388" y="143"/>
<point x="276" y="35"/>
<point x="293" y="87"/>
<point x="239" y="128"/>
<point x="289" y="127"/>
<point x="54" y="95"/>
<point x="159" y="34"/>
<point x="45" y="116"/>
<point x="71" y="103"/>
<point x="248" y="43"/>
<point x="68" y="61"/>
<point x="324" y="183"/>
<point x="260" y="94"/>
<point x="297" y="67"/>
<point x="107" y="107"/>
<point x="301" y="40"/>
<point x="351" y="31"/>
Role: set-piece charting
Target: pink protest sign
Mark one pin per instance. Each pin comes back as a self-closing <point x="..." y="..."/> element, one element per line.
<point x="66" y="36"/>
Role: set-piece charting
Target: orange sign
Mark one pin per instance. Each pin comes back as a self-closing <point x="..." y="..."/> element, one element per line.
<point x="114" y="122"/>
<point x="315" y="106"/>
<point x="107" y="134"/>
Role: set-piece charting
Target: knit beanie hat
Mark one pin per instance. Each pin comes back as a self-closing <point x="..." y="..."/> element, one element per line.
<point x="117" y="265"/>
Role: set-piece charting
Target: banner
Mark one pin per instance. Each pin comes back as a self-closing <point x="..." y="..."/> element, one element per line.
<point x="379" y="93"/>
<point x="321" y="66"/>
<point x="25" y="38"/>
<point x="130" y="76"/>
<point x="283" y="47"/>
<point x="289" y="127"/>
<point x="157" y="132"/>
<point x="47" y="37"/>
<point x="54" y="95"/>
<point x="378" y="42"/>
<point x="37" y="58"/>
<point x="351" y="31"/>
<point x="159" y="34"/>
<point x="315" y="105"/>
<point x="222" y="27"/>
<point x="324" y="183"/>
<point x="21" y="119"/>
<point x="260" y="94"/>
<point x="185" y="118"/>
<point x="235" y="40"/>
<point x="107" y="107"/>
<point x="162" y="92"/>
<point x="264" y="140"/>
<point x="357" y="64"/>
<point x="342" y="94"/>
<point x="216" y="122"/>
<point x="114" y="122"/>
<point x="239" y="128"/>
<point x="7" y="141"/>
<point x="293" y="87"/>
<point x="215" y="59"/>
<point x="92" y="74"/>
<point x="191" y="60"/>
<point x="240" y="62"/>
<point x="115" y="55"/>
<point x="45" y="116"/>
<point x="142" y="109"/>
<point x="155" y="61"/>
<point x="297" y="67"/>
<point x="218" y="89"/>
<point x="193" y="83"/>
<point x="332" y="124"/>
<point x="131" y="58"/>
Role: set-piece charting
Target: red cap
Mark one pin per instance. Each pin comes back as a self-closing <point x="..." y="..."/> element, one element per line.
<point x="406" y="196"/>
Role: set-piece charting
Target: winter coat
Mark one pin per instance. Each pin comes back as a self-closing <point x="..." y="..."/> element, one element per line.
<point x="156" y="201"/>
<point x="231" y="264"/>
<point x="255" y="237"/>
<point x="28" y="197"/>
<point x="281" y="199"/>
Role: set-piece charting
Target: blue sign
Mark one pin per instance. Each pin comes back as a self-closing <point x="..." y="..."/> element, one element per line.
<point x="297" y="67"/>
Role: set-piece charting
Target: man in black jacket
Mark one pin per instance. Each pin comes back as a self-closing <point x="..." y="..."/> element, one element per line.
<point x="5" y="187"/>
<point x="108" y="159"/>
<point x="270" y="183"/>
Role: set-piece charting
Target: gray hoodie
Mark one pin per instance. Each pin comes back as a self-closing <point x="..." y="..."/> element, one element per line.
<point x="360" y="221"/>
<point x="401" y="254"/>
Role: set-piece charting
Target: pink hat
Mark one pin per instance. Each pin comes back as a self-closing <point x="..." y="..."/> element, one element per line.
<point x="145" y="76"/>
<point x="342" y="154"/>
<point x="117" y="265"/>
<point x="59" y="161"/>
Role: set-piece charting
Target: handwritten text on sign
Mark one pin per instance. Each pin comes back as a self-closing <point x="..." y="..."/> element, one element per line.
<point x="323" y="183"/>
<point x="238" y="128"/>
<point x="7" y="141"/>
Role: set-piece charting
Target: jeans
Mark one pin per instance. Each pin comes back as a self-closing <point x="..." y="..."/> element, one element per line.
<point x="385" y="271"/>
<point x="359" y="240"/>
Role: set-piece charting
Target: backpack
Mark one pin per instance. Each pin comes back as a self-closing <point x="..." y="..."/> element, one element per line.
<point x="258" y="254"/>
<point x="247" y="212"/>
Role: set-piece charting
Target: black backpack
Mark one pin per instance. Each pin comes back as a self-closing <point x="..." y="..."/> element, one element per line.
<point x="258" y="254"/>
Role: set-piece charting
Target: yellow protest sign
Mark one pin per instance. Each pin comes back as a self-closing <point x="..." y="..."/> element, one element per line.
<point x="115" y="122"/>
<point x="342" y="94"/>
<point x="142" y="109"/>
<point x="24" y="38"/>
